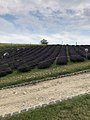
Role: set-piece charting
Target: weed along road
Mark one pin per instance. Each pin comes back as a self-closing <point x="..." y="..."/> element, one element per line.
<point x="19" y="98"/>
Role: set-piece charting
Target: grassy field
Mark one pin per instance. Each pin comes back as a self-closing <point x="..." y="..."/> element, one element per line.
<point x="37" y="74"/>
<point x="5" y="46"/>
<point x="77" y="108"/>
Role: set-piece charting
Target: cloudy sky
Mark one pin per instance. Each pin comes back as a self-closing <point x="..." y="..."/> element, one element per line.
<point x="29" y="21"/>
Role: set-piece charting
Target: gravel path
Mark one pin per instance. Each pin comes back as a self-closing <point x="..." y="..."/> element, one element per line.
<point x="16" y="99"/>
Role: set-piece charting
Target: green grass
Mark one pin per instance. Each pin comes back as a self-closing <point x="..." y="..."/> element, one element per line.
<point x="10" y="45"/>
<point x="40" y="74"/>
<point x="37" y="74"/>
<point x="77" y="108"/>
<point x="6" y="46"/>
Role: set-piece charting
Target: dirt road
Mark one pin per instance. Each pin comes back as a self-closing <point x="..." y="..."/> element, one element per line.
<point x="16" y="99"/>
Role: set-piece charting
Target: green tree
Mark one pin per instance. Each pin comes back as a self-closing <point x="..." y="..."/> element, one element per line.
<point x="43" y="41"/>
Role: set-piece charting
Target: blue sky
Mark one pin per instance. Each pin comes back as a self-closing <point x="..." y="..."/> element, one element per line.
<point x="29" y="21"/>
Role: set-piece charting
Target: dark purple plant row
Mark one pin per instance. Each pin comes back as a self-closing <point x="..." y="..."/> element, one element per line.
<point x="26" y="58"/>
<point x="73" y="54"/>
<point x="49" y="57"/>
<point x="62" y="58"/>
<point x="5" y="70"/>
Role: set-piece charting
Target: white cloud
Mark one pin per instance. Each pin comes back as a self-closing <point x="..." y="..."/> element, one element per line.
<point x="16" y="38"/>
<point x="58" y="17"/>
<point x="66" y="37"/>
